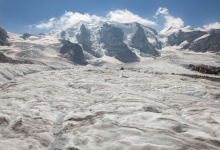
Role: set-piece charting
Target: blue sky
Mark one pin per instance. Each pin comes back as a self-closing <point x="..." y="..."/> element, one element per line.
<point x="38" y="16"/>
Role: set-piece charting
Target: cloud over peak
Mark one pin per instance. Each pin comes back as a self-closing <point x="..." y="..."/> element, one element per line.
<point x="170" y="21"/>
<point x="215" y="25"/>
<point x="69" y="18"/>
<point x="47" y="25"/>
<point x="125" y="16"/>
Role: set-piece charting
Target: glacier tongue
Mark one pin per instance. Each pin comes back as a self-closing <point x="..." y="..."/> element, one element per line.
<point x="106" y="108"/>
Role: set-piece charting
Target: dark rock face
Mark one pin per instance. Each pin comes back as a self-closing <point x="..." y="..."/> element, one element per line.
<point x="63" y="33"/>
<point x="217" y="31"/>
<point x="205" y="69"/>
<point x="25" y="36"/>
<point x="113" y="39"/>
<point x="84" y="39"/>
<point x="178" y="38"/>
<point x="140" y="42"/>
<point x="210" y="43"/>
<point x="73" y="52"/>
<point x="5" y="59"/>
<point x="3" y="38"/>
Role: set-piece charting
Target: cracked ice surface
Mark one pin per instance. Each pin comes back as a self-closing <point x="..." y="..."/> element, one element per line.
<point x="89" y="108"/>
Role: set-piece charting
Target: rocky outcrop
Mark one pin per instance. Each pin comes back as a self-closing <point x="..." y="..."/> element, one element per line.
<point x="63" y="34"/>
<point x="178" y="38"/>
<point x="205" y="69"/>
<point x="140" y="42"/>
<point x="3" y="38"/>
<point x="84" y="39"/>
<point x="208" y="44"/>
<point x="5" y="59"/>
<point x="112" y="37"/>
<point x="73" y="52"/>
<point x="25" y="36"/>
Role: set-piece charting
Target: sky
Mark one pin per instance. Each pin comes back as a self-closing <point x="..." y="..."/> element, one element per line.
<point x="40" y="16"/>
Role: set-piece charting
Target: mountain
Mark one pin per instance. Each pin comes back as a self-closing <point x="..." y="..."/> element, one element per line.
<point x="178" y="38"/>
<point x="197" y="40"/>
<point x="114" y="39"/>
<point x="126" y="42"/>
<point x="207" y="43"/>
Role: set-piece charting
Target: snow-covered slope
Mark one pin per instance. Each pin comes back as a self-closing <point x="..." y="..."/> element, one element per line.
<point x="46" y="47"/>
<point x="138" y="40"/>
<point x="128" y="29"/>
<point x="43" y="48"/>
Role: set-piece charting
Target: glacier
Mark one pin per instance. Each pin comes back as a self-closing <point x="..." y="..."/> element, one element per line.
<point x="107" y="108"/>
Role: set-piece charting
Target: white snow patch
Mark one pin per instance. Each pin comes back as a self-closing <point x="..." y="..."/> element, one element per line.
<point x="202" y="37"/>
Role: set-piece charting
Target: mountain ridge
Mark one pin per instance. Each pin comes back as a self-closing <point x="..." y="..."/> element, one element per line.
<point x="127" y="42"/>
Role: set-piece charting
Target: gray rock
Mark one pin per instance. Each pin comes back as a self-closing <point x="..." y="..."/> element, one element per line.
<point x="3" y="38"/>
<point x="140" y="42"/>
<point x="73" y="52"/>
<point x="178" y="38"/>
<point x="63" y="33"/>
<point x="210" y="43"/>
<point x="204" y="69"/>
<point x="217" y="31"/>
<point x="84" y="39"/>
<point x="25" y="36"/>
<point x="112" y="37"/>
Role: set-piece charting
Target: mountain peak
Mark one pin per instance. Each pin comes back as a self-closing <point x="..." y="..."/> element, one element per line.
<point x="189" y="28"/>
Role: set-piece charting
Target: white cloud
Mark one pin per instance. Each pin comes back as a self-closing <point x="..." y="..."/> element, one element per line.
<point x="47" y="25"/>
<point x="215" y="25"/>
<point x="170" y="20"/>
<point x="69" y="18"/>
<point x="29" y="26"/>
<point x="163" y="11"/>
<point x="125" y="16"/>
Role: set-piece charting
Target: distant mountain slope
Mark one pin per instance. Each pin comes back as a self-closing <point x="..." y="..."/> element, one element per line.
<point x="112" y="37"/>
<point x="210" y="43"/>
<point x="3" y="38"/>
<point x="84" y="39"/>
<point x="178" y="38"/>
<point x="140" y="41"/>
<point x="197" y="40"/>
<point x="90" y="37"/>
<point x="126" y="42"/>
